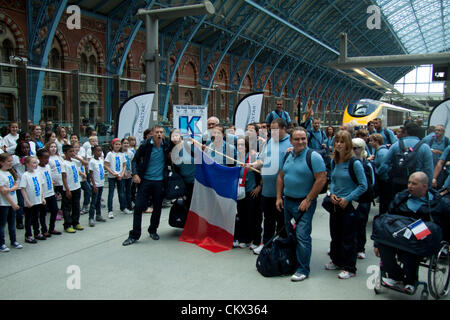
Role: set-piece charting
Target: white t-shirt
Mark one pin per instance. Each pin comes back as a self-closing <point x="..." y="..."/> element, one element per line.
<point x="55" y="163"/>
<point x="32" y="145"/>
<point x="19" y="167"/>
<point x="72" y="176"/>
<point x="98" y="169"/>
<point x="33" y="184"/>
<point x="10" y="142"/>
<point x="59" y="145"/>
<point x="128" y="157"/>
<point x="116" y="162"/>
<point x="47" y="178"/>
<point x="7" y="180"/>
<point x="80" y="168"/>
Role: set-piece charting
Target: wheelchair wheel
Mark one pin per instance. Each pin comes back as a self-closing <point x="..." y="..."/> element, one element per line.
<point x="439" y="273"/>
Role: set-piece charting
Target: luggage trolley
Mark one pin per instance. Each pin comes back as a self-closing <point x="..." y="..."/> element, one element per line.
<point x="438" y="276"/>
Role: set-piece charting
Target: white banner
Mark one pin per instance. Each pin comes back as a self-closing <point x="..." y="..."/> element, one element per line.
<point x="247" y="111"/>
<point x="441" y="115"/>
<point x="134" y="116"/>
<point x="190" y="120"/>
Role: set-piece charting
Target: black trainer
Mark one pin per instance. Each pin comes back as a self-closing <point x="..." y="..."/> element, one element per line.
<point x="129" y="241"/>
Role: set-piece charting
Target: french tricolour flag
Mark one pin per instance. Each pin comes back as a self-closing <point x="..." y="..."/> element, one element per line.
<point x="420" y="229"/>
<point x="211" y="217"/>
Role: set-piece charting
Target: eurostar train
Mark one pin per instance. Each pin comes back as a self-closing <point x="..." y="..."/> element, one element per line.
<point x="365" y="110"/>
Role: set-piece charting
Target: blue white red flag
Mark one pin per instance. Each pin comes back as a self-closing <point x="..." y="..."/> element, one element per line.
<point x="211" y="217"/>
<point x="420" y="229"/>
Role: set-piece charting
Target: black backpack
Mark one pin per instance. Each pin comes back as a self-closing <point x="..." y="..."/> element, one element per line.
<point x="175" y="186"/>
<point x="178" y="214"/>
<point x="369" y="194"/>
<point x="404" y="163"/>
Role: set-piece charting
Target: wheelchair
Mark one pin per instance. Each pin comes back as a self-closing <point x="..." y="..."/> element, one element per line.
<point x="438" y="276"/>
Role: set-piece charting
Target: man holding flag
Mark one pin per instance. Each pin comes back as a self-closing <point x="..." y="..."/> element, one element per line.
<point x="422" y="204"/>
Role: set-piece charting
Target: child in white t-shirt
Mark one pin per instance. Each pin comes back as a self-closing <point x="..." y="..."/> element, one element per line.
<point x="72" y="191"/>
<point x="127" y="179"/>
<point x="51" y="204"/>
<point x="115" y="166"/>
<point x="31" y="185"/>
<point x="97" y="178"/>
<point x="8" y="203"/>
<point x="82" y="165"/>
<point x="55" y="162"/>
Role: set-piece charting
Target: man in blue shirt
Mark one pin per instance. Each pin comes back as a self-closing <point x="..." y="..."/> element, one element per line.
<point x="270" y="160"/>
<point x="317" y="139"/>
<point x="437" y="142"/>
<point x="300" y="187"/>
<point x="279" y="113"/>
<point x="424" y="157"/>
<point x="150" y="171"/>
<point x="388" y="135"/>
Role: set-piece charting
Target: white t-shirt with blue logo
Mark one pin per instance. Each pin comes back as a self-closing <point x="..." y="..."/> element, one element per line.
<point x="47" y="177"/>
<point x="55" y="163"/>
<point x="7" y="180"/>
<point x="98" y="169"/>
<point x="128" y="157"/>
<point x="72" y="176"/>
<point x="116" y="161"/>
<point x="33" y="184"/>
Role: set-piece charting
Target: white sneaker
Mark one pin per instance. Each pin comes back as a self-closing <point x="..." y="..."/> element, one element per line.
<point x="253" y="246"/>
<point x="4" y="248"/>
<point x="243" y="245"/>
<point x="298" y="277"/>
<point x="346" y="275"/>
<point x="258" y="249"/>
<point x="331" y="266"/>
<point x="409" y="289"/>
<point x="391" y="282"/>
<point x="110" y="215"/>
<point x="235" y="244"/>
<point x="127" y="211"/>
<point x="17" y="245"/>
<point x="361" y="255"/>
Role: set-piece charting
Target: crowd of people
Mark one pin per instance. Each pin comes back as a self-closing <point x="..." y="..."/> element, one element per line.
<point x="285" y="166"/>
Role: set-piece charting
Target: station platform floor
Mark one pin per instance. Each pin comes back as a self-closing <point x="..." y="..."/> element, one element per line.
<point x="169" y="269"/>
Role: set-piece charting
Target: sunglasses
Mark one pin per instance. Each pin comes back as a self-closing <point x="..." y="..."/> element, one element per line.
<point x="356" y="148"/>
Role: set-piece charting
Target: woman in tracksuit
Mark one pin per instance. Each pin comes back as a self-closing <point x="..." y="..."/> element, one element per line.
<point x="344" y="219"/>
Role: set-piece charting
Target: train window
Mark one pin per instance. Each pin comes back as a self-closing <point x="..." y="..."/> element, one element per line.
<point x="361" y="109"/>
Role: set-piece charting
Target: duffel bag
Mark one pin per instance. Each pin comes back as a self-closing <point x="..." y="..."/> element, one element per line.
<point x="395" y="231"/>
<point x="277" y="257"/>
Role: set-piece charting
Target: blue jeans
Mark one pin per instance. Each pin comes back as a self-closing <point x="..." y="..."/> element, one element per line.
<point x="7" y="214"/>
<point x="87" y="193"/>
<point x="96" y="203"/>
<point x="111" y="187"/>
<point x="127" y="192"/>
<point x="302" y="231"/>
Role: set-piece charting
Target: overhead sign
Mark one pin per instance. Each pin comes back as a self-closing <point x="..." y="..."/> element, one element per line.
<point x="441" y="73"/>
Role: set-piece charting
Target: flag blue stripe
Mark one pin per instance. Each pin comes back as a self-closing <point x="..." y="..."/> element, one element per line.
<point x="224" y="180"/>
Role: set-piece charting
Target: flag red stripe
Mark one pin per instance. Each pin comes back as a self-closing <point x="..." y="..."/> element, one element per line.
<point x="423" y="234"/>
<point x="197" y="230"/>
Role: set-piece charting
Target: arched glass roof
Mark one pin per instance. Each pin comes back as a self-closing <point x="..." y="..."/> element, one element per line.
<point x="421" y="26"/>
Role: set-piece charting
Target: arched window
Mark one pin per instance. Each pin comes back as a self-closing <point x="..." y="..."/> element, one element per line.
<point x="83" y="63"/>
<point x="7" y="50"/>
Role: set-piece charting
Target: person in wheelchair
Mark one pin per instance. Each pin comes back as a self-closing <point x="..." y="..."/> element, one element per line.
<point x="419" y="202"/>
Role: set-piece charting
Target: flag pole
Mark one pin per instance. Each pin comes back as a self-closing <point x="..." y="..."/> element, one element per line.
<point x="224" y="155"/>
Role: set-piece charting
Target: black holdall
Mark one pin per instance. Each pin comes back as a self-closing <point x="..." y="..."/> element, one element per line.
<point x="278" y="256"/>
<point x="394" y="231"/>
<point x="175" y="186"/>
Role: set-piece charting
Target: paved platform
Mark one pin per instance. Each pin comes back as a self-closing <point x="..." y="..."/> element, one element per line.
<point x="169" y="269"/>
